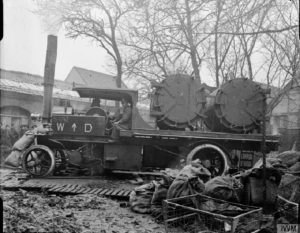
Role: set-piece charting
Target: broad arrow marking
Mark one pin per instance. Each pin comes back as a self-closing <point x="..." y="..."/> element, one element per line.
<point x="74" y="127"/>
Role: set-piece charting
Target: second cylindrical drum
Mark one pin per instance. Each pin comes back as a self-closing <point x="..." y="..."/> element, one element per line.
<point x="236" y="107"/>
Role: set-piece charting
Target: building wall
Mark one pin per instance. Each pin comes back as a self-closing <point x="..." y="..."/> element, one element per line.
<point x="16" y="108"/>
<point x="285" y="119"/>
<point x="73" y="76"/>
<point x="32" y="103"/>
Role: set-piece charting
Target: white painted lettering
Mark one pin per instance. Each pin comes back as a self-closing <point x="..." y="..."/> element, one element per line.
<point x="88" y="128"/>
<point x="60" y="126"/>
<point x="74" y="126"/>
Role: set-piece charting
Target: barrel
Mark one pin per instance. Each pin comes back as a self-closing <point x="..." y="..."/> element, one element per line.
<point x="237" y="106"/>
<point x="177" y="102"/>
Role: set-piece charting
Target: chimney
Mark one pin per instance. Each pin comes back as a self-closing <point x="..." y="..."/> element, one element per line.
<point x="49" y="72"/>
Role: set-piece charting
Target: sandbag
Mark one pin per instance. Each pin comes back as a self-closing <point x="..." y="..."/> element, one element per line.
<point x="295" y="167"/>
<point x="289" y="158"/>
<point x="188" y="180"/>
<point x="271" y="163"/>
<point x="140" y="198"/>
<point x="185" y="186"/>
<point x="254" y="186"/>
<point x="25" y="141"/>
<point x="14" y="159"/>
<point x="225" y="188"/>
<point x="160" y="194"/>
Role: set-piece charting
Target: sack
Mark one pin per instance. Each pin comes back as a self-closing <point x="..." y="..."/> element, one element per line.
<point x="185" y="186"/>
<point x="14" y="159"/>
<point x="140" y="198"/>
<point x="295" y="167"/>
<point x="194" y="169"/>
<point x="25" y="141"/>
<point x="289" y="158"/>
<point x="187" y="181"/>
<point x="160" y="194"/>
<point x="254" y="186"/>
<point x="225" y="188"/>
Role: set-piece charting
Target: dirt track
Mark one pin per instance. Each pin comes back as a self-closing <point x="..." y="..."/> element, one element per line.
<point x="40" y="212"/>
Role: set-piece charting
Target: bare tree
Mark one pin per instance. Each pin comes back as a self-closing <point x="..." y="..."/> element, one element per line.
<point x="283" y="48"/>
<point x="148" y="40"/>
<point x="97" y="20"/>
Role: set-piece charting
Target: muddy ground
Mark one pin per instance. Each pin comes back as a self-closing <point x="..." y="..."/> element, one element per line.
<point x="42" y="212"/>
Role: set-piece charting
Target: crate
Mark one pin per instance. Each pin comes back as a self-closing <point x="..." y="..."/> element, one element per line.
<point x="288" y="209"/>
<point x="291" y="191"/>
<point x="202" y="214"/>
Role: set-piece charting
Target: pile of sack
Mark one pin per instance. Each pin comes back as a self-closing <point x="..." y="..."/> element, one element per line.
<point x="191" y="179"/>
<point x="245" y="187"/>
<point x="288" y="164"/>
<point x="14" y="159"/>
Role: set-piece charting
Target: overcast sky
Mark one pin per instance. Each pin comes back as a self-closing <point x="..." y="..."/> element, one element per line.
<point x="23" y="47"/>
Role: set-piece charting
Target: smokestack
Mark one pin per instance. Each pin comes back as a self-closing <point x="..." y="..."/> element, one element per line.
<point x="49" y="72"/>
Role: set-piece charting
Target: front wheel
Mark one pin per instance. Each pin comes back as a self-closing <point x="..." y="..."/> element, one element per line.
<point x="38" y="161"/>
<point x="212" y="157"/>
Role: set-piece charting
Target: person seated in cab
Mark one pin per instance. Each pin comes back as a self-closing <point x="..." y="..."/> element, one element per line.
<point x="96" y="103"/>
<point x="124" y="120"/>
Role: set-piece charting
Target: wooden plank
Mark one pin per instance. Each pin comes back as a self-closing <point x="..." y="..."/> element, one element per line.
<point x="77" y="189"/>
<point x="49" y="185"/>
<point x="80" y="191"/>
<point x="53" y="187"/>
<point x="98" y="191"/>
<point x="69" y="186"/>
<point x="73" y="188"/>
<point x="58" y="189"/>
<point x="114" y="193"/>
<point x="109" y="192"/>
<point x="94" y="190"/>
<point x="120" y="194"/>
<point x="126" y="193"/>
<point x="67" y="189"/>
<point x="104" y="191"/>
<point x="87" y="190"/>
<point x="62" y="190"/>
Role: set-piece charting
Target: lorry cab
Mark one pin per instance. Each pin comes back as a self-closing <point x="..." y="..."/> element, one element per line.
<point x="97" y="121"/>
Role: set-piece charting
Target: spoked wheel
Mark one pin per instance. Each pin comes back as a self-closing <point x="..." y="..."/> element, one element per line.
<point x="212" y="157"/>
<point x="38" y="161"/>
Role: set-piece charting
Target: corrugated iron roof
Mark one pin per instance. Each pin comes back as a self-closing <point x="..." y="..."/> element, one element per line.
<point x="37" y="89"/>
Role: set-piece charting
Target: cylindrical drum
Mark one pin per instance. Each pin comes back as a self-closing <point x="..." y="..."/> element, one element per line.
<point x="177" y="102"/>
<point x="237" y="107"/>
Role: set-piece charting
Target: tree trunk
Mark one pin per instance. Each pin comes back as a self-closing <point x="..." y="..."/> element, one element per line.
<point x="190" y="39"/>
<point x="216" y="42"/>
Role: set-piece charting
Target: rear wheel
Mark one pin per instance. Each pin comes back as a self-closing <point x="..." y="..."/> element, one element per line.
<point x="212" y="157"/>
<point x="38" y="161"/>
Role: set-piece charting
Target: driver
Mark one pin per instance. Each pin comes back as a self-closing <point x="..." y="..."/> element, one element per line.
<point x="124" y="121"/>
